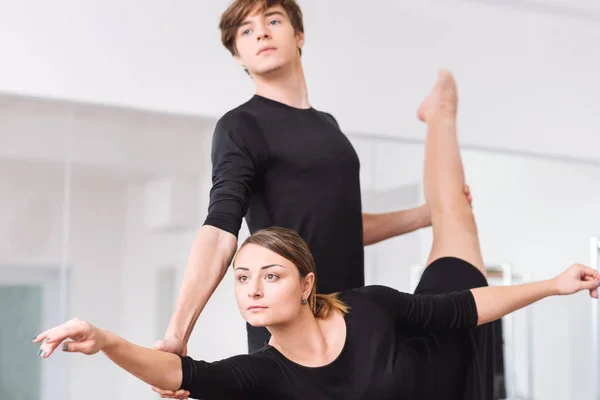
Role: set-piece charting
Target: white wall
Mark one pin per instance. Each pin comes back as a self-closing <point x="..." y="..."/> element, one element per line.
<point x="132" y="143"/>
<point x="146" y="252"/>
<point x="96" y="246"/>
<point x="389" y="182"/>
<point x="528" y="76"/>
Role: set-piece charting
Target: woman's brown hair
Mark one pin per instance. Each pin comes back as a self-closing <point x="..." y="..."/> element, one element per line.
<point x="288" y="244"/>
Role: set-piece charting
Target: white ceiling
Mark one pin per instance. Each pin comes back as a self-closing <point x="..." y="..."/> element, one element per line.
<point x="584" y="9"/>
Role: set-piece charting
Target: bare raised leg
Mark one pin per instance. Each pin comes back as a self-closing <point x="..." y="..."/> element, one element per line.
<point x="454" y="228"/>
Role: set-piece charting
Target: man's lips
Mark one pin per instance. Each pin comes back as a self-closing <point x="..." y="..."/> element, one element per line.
<point x="264" y="49"/>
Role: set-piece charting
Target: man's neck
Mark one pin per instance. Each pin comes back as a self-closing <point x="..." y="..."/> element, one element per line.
<point x="286" y="86"/>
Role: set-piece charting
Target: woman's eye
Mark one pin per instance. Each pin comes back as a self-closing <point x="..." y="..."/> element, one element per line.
<point x="271" y="277"/>
<point x="242" y="278"/>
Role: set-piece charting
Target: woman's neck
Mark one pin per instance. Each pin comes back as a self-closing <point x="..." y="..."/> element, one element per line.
<point x="310" y="341"/>
<point x="286" y="86"/>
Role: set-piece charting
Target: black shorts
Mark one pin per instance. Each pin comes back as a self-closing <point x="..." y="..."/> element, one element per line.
<point x="485" y="343"/>
<point x="449" y="274"/>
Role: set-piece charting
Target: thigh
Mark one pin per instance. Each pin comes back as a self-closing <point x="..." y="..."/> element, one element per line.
<point x="450" y="274"/>
<point x="455" y="235"/>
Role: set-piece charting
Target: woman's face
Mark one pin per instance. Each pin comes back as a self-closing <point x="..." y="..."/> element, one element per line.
<point x="268" y="287"/>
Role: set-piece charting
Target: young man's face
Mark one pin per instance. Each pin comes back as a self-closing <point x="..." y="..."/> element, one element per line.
<point x="266" y="42"/>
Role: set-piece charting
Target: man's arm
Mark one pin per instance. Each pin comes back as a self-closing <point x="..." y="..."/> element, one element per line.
<point x="238" y="155"/>
<point x="207" y="264"/>
<point x="379" y="227"/>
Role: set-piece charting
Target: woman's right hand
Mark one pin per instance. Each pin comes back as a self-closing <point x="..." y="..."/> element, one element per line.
<point x="85" y="338"/>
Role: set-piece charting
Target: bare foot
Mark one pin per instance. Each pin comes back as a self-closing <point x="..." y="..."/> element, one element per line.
<point x="441" y="100"/>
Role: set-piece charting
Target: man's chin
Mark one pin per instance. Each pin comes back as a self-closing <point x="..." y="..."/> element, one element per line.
<point x="268" y="70"/>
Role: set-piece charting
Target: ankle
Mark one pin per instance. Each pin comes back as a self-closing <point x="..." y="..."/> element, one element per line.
<point x="443" y="119"/>
<point x="447" y="109"/>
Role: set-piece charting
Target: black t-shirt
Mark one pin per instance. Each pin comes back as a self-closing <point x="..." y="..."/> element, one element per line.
<point x="293" y="168"/>
<point x="398" y="346"/>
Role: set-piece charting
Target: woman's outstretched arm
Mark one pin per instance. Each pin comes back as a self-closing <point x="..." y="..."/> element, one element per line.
<point x="494" y="302"/>
<point x="156" y="368"/>
<point x="473" y="307"/>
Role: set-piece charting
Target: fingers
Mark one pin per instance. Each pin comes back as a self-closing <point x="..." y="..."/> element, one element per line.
<point x="53" y="337"/>
<point x="467" y="191"/>
<point x="180" y="394"/>
<point x="169" y="394"/>
<point x="590" y="283"/>
<point x="587" y="271"/>
<point x="593" y="288"/>
<point x="41" y="336"/>
<point x="74" y="347"/>
<point x="160" y="345"/>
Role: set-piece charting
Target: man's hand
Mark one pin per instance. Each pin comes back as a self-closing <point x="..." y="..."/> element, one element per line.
<point x="467" y="191"/>
<point x="175" y="346"/>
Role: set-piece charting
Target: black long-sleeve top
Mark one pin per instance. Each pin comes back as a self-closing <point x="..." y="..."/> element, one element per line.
<point x="282" y="166"/>
<point x="398" y="346"/>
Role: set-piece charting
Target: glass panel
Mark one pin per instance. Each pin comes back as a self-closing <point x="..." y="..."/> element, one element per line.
<point x="20" y="320"/>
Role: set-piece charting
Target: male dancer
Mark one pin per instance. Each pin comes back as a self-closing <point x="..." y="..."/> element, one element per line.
<point x="279" y="162"/>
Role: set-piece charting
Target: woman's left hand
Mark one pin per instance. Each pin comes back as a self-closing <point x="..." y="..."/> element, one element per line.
<point x="86" y="338"/>
<point x="578" y="277"/>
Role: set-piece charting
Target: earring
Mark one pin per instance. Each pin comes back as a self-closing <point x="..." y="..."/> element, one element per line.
<point x="304" y="302"/>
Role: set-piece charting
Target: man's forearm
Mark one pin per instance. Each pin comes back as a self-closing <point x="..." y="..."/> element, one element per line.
<point x="157" y="368"/>
<point x="209" y="258"/>
<point x="379" y="227"/>
<point x="494" y="302"/>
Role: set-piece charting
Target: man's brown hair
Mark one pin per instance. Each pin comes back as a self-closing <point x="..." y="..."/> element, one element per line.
<point x="235" y="14"/>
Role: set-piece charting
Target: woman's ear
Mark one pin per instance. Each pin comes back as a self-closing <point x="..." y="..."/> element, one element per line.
<point x="307" y="285"/>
